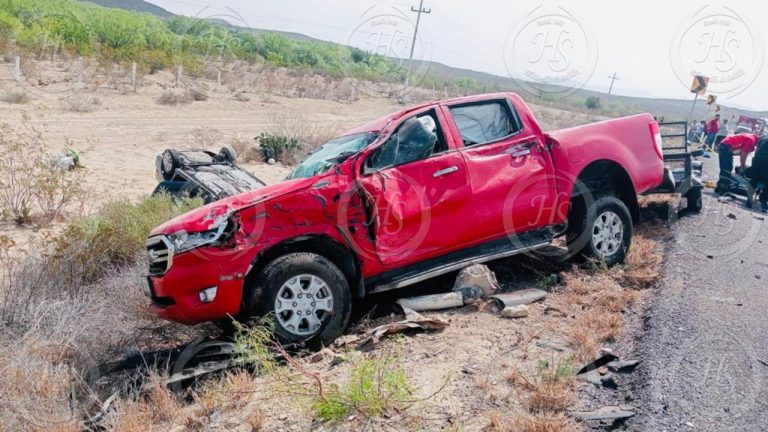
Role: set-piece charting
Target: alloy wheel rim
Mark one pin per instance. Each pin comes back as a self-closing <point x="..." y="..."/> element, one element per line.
<point x="302" y="304"/>
<point x="607" y="233"/>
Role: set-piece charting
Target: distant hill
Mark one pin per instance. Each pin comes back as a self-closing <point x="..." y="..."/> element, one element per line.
<point x="438" y="72"/>
<point x="134" y="5"/>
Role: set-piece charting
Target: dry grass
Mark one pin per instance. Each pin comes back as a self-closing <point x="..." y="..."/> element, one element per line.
<point x="246" y="148"/>
<point x="81" y="103"/>
<point x="310" y="134"/>
<point x="16" y="97"/>
<point x="175" y="98"/>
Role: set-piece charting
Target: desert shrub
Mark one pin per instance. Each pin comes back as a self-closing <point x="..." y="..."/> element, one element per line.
<point x="30" y="179"/>
<point x="81" y="103"/>
<point x="116" y="235"/>
<point x="282" y="148"/>
<point x="376" y="386"/>
<point x="246" y="149"/>
<point x="198" y="95"/>
<point x="16" y="97"/>
<point x="173" y="98"/>
<point x="593" y="102"/>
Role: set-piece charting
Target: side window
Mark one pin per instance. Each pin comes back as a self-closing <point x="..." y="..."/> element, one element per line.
<point x="415" y="139"/>
<point x="485" y="122"/>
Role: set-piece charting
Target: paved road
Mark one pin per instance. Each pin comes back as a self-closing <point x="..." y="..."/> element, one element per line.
<point x="705" y="349"/>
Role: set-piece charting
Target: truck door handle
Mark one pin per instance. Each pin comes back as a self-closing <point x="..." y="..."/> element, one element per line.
<point x="446" y="171"/>
<point x="521" y="150"/>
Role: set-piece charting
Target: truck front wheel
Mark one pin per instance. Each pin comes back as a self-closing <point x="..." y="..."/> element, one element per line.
<point x="306" y="295"/>
<point x="601" y="230"/>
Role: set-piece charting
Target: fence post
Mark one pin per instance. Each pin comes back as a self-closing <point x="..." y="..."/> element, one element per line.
<point x="133" y="74"/>
<point x="80" y="70"/>
<point x="17" y="69"/>
<point x="218" y="78"/>
<point x="178" y="75"/>
<point x="445" y="92"/>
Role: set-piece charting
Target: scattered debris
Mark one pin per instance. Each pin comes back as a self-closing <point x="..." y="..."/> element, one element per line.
<point x="549" y="310"/>
<point x="763" y="362"/>
<point x="516" y="298"/>
<point x="600" y="372"/>
<point x="731" y="216"/>
<point x="413" y="321"/>
<point x="520" y="311"/>
<point x="606" y="413"/>
<point x="758" y="217"/>
<point x="432" y="302"/>
<point x="476" y="281"/>
<point x="550" y="345"/>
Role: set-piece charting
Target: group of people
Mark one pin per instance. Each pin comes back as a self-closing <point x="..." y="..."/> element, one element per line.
<point x="711" y="133"/>
<point x="751" y="178"/>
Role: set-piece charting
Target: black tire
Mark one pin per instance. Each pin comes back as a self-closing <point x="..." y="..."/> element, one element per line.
<point x="270" y="282"/>
<point x="581" y="230"/>
<point x="170" y="161"/>
<point x="695" y="201"/>
<point x="228" y="154"/>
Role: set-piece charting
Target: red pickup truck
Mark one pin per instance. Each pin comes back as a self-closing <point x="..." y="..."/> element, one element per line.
<point x="416" y="194"/>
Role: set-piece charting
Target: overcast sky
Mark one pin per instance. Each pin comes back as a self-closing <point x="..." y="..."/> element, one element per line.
<point x="654" y="46"/>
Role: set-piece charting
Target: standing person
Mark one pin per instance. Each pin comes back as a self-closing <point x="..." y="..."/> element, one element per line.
<point x="713" y="126"/>
<point x="722" y="132"/>
<point x="758" y="172"/>
<point x="698" y="131"/>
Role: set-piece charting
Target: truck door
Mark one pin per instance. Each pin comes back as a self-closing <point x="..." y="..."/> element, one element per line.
<point x="511" y="174"/>
<point x="418" y="190"/>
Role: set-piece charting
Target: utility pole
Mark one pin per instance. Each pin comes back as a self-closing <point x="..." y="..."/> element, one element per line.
<point x="418" y="11"/>
<point x="612" y="78"/>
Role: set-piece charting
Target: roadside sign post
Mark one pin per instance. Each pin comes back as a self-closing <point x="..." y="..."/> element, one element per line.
<point x="699" y="88"/>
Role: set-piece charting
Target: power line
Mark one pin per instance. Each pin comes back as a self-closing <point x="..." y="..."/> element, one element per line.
<point x="613" y="79"/>
<point x="419" y="11"/>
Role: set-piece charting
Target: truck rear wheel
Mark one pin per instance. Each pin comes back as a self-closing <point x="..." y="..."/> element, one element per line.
<point x="601" y="230"/>
<point x="306" y="295"/>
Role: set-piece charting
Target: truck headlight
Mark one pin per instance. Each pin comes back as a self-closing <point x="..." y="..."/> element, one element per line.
<point x="184" y="241"/>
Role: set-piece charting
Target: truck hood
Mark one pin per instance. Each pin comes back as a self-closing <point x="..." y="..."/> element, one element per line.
<point x="201" y="219"/>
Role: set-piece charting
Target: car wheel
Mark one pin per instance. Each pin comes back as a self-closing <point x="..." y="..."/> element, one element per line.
<point x="603" y="231"/>
<point x="228" y="154"/>
<point x="695" y="201"/>
<point x="307" y="296"/>
<point x="171" y="160"/>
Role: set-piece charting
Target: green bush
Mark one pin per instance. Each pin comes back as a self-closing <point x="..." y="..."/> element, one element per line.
<point x="278" y="144"/>
<point x="115" y="236"/>
<point x="119" y="35"/>
<point x="593" y="102"/>
<point x="376" y="386"/>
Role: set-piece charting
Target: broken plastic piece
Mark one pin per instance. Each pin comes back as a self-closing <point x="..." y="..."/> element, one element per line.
<point x="413" y="321"/>
<point x="520" y="311"/>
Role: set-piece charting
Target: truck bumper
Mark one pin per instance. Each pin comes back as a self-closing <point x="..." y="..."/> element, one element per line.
<point x="196" y="289"/>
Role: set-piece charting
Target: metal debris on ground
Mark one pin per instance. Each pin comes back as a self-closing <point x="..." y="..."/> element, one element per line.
<point x="432" y="302"/>
<point x="606" y="413"/>
<point x="476" y="281"/>
<point x="517" y="298"/>
<point x="601" y="371"/>
<point x="413" y="321"/>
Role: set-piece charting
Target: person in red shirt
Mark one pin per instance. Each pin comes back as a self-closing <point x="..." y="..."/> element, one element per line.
<point x="712" y="128"/>
<point x="742" y="144"/>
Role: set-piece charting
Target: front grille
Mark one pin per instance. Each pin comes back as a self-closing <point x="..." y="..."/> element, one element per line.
<point x="160" y="255"/>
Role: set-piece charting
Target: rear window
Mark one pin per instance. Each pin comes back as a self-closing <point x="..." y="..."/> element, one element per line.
<point x="484" y="123"/>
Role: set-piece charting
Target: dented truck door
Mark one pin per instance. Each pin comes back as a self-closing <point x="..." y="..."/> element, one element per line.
<point x="419" y="206"/>
<point x="510" y="170"/>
